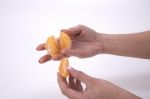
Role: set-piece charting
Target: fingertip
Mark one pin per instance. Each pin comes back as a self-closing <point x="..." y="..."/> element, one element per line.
<point x="65" y="30"/>
<point x="58" y="74"/>
<point x="40" y="47"/>
<point x="59" y="77"/>
<point x="62" y="30"/>
<point x="69" y="67"/>
<point x="41" y="61"/>
<point x="37" y="48"/>
<point x="71" y="70"/>
<point x="45" y="58"/>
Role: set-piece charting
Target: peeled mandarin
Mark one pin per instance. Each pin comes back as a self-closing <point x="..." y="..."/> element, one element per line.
<point x="52" y="46"/>
<point x="64" y="42"/>
<point x="63" y="68"/>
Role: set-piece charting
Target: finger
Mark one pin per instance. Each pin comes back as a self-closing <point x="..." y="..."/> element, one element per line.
<point x="73" y="31"/>
<point x="61" y="81"/>
<point x="45" y="58"/>
<point x="72" y="84"/>
<point x="79" y="86"/>
<point x="70" y="52"/>
<point x="65" y="80"/>
<point x="59" y="57"/>
<point x="40" y="47"/>
<point x="65" y="89"/>
<point x="81" y="76"/>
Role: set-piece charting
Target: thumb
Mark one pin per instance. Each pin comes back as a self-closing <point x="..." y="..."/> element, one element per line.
<point x="79" y="75"/>
<point x="70" y="52"/>
<point x="73" y="31"/>
<point x="65" y="30"/>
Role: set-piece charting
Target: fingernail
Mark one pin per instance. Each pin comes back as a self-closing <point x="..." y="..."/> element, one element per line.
<point x="70" y="68"/>
<point x="62" y="30"/>
<point x="41" y="61"/>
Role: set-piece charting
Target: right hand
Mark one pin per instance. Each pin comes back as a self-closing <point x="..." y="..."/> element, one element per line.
<point x="94" y="88"/>
<point x="85" y="43"/>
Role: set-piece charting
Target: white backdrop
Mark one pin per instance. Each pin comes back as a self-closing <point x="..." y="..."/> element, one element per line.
<point x="26" y="23"/>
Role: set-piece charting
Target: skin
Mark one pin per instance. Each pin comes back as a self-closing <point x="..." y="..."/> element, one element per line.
<point x="95" y="88"/>
<point x="87" y="43"/>
<point x="132" y="45"/>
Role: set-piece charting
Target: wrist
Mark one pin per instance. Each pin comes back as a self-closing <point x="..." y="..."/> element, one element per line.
<point x="102" y="41"/>
<point x="109" y="43"/>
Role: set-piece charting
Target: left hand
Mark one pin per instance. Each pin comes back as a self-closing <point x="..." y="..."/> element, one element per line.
<point x="48" y="57"/>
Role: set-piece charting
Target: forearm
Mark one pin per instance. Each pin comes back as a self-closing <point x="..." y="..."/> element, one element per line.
<point x="124" y="94"/>
<point x="133" y="45"/>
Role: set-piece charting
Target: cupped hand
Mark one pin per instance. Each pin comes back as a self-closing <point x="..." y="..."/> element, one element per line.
<point x="85" y="43"/>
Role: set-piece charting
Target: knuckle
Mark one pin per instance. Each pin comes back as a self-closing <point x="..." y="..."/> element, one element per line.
<point x="80" y="25"/>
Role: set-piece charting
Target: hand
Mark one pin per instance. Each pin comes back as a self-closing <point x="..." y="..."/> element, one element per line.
<point x="95" y="88"/>
<point x="85" y="43"/>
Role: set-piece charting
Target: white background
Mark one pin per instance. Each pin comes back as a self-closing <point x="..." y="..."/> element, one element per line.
<point x="26" y="23"/>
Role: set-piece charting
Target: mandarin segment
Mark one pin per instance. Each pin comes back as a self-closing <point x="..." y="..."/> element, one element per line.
<point x="65" y="41"/>
<point x="52" y="46"/>
<point x="63" y="68"/>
